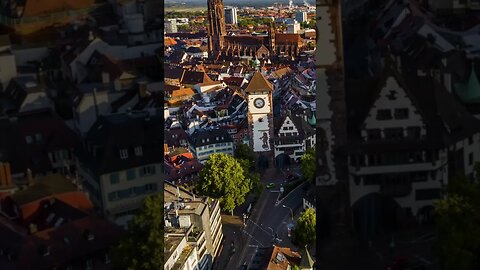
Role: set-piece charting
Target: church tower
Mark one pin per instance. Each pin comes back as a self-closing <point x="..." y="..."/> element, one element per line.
<point x="271" y="37"/>
<point x="260" y="115"/>
<point x="216" y="26"/>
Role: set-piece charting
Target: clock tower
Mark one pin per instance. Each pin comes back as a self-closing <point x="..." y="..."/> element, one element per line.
<point x="260" y="115"/>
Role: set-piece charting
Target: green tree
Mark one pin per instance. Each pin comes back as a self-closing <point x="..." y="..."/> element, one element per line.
<point x="305" y="229"/>
<point x="142" y="246"/>
<point x="223" y="178"/>
<point x="308" y="166"/>
<point x="251" y="176"/>
<point x="457" y="224"/>
<point x="243" y="151"/>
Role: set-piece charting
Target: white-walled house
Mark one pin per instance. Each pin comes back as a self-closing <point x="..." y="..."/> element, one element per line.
<point x="412" y="138"/>
<point x="119" y="168"/>
<point x="293" y="136"/>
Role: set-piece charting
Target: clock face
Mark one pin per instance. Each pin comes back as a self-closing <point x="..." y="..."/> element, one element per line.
<point x="259" y="103"/>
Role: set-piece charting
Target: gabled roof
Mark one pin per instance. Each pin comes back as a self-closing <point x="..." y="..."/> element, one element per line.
<point x="304" y="129"/>
<point x="111" y="133"/>
<point x="203" y="137"/>
<point x="281" y="258"/>
<point x="234" y="81"/>
<point x="446" y="119"/>
<point x="173" y="72"/>
<point x="196" y="77"/>
<point x="258" y="83"/>
<point x="13" y="147"/>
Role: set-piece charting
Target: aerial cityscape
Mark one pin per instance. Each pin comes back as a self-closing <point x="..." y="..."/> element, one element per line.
<point x="239" y="134"/>
<point x="240" y="116"/>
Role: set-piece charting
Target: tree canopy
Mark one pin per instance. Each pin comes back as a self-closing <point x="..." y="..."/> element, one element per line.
<point x="243" y="151"/>
<point x="308" y="165"/>
<point x="223" y="178"/>
<point x="244" y="22"/>
<point x="457" y="224"/>
<point x="305" y="229"/>
<point x="245" y="155"/>
<point x="142" y="246"/>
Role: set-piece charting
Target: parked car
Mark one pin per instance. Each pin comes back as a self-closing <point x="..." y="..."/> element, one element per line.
<point x="403" y="263"/>
<point x="270" y="185"/>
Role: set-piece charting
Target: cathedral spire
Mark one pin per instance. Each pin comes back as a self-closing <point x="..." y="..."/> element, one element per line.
<point x="216" y="26"/>
<point x="271" y="36"/>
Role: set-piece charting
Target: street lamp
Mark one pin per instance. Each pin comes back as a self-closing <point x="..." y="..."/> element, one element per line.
<point x="271" y="230"/>
<point x="291" y="211"/>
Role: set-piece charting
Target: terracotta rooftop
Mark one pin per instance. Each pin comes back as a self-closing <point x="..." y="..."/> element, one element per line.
<point x="44" y="7"/>
<point x="283" y="259"/>
<point x="281" y="38"/>
<point x="258" y="83"/>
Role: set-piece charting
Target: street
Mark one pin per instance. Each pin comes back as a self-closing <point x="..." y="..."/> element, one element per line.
<point x="267" y="220"/>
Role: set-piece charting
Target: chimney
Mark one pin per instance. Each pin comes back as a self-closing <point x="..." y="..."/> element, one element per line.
<point x="91" y="36"/>
<point x="33" y="228"/>
<point x="29" y="176"/>
<point x="8" y="174"/>
<point x="3" y="176"/>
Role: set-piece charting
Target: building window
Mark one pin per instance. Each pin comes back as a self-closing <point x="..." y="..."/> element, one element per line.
<point x="29" y="139"/>
<point x="427" y="194"/>
<point x="374" y="134"/>
<point x="131" y="174"/>
<point x="112" y="196"/>
<point x="414" y="132"/>
<point x="138" y="151"/>
<point x="384" y="114"/>
<point x="470" y="159"/>
<point x="122" y="194"/>
<point x="401" y="113"/>
<point x="114" y="178"/>
<point x="146" y="171"/>
<point x="470" y="140"/>
<point x="123" y="153"/>
<point x="393" y="133"/>
<point x="151" y="187"/>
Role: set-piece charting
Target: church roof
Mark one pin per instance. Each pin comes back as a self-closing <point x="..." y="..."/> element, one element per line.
<point x="245" y="40"/>
<point x="258" y="83"/>
<point x="281" y="38"/>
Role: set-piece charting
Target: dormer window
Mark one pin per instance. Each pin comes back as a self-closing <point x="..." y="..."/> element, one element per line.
<point x="401" y="113"/>
<point x="138" y="151"/>
<point x="123" y="153"/>
<point x="384" y="114"/>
